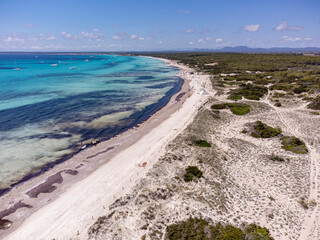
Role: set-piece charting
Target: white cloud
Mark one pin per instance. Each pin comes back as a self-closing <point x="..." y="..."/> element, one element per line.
<point x="200" y="40"/>
<point x="291" y="39"/>
<point x="284" y="26"/>
<point x="184" y="11"/>
<point x="160" y="42"/>
<point x="50" y="38"/>
<point x="308" y="39"/>
<point x="252" y="28"/>
<point x="133" y="36"/>
<point x="89" y="35"/>
<point x="190" y="30"/>
<point x="95" y="29"/>
<point x="13" y="39"/>
<point x="116" y="37"/>
<point x="219" y="40"/>
<point x="191" y="43"/>
<point x="65" y="34"/>
<point x="208" y="39"/>
<point x="120" y="36"/>
<point x="141" y="38"/>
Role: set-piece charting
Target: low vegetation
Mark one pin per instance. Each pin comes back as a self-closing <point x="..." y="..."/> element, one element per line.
<point x="315" y="104"/>
<point x="236" y="108"/>
<point x="262" y="130"/>
<point x="294" y="144"/>
<point x="202" y="143"/>
<point x="276" y="158"/>
<point x="253" y="231"/>
<point x="292" y="73"/>
<point x="191" y="173"/>
<point x="200" y="229"/>
<point x="248" y="91"/>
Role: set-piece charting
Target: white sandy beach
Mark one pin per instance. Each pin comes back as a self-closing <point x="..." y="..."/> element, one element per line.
<point x="76" y="206"/>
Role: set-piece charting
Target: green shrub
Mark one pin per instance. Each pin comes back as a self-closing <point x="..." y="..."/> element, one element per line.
<point x="236" y="108"/>
<point x="278" y="104"/>
<point x="315" y="104"/>
<point x="282" y="86"/>
<point x="239" y="108"/>
<point x="276" y="158"/>
<point x="192" y="229"/>
<point x="256" y="232"/>
<point x="199" y="229"/>
<point x="248" y="91"/>
<point x="188" y="177"/>
<point x="294" y="144"/>
<point x="191" y="172"/>
<point x="220" y="232"/>
<point x="219" y="106"/>
<point x="262" y="130"/>
<point x="202" y="143"/>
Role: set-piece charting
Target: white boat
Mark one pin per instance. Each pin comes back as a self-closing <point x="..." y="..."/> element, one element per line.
<point x="72" y="67"/>
<point x="54" y="65"/>
<point x="17" y="69"/>
<point x="87" y="60"/>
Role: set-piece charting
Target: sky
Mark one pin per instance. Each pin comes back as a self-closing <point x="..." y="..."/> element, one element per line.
<point x="137" y="25"/>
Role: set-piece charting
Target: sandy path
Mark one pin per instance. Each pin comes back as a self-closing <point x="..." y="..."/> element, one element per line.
<point x="311" y="225"/>
<point x="70" y="215"/>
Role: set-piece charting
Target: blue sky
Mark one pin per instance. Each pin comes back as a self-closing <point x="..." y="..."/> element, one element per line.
<point x="90" y="25"/>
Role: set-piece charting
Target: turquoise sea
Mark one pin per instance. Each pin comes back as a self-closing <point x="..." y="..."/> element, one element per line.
<point x="51" y="104"/>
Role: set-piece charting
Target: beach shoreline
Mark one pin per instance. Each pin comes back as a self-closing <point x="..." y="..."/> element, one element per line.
<point x="29" y="202"/>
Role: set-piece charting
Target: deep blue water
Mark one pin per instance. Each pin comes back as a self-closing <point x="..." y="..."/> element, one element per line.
<point x="50" y="104"/>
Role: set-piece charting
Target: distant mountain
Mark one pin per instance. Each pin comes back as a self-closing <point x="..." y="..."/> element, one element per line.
<point x="245" y="49"/>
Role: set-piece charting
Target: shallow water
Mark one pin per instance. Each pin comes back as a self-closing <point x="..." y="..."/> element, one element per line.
<point x="50" y="104"/>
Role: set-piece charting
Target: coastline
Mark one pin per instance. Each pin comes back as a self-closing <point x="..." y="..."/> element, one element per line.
<point x="85" y="141"/>
<point x="85" y="175"/>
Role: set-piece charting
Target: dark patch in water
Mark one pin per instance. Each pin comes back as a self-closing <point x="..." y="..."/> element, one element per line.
<point x="50" y="135"/>
<point x="119" y="81"/>
<point x="132" y="73"/>
<point x="60" y="110"/>
<point x="11" y="95"/>
<point x="163" y="85"/>
<point x="60" y="75"/>
<point x="152" y="81"/>
<point x="146" y="77"/>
